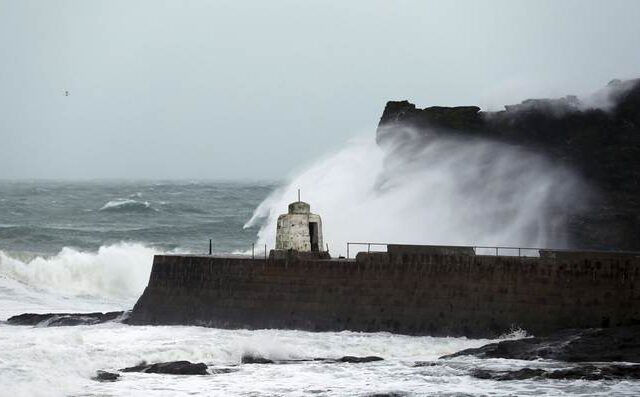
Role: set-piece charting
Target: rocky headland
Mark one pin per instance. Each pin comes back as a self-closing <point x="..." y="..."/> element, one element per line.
<point x="598" y="138"/>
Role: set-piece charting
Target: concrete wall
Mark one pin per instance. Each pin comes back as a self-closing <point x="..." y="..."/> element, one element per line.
<point x="405" y="292"/>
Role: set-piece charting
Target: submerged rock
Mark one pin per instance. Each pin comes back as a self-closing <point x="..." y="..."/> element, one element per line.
<point x="425" y="364"/>
<point x="353" y="359"/>
<point x="216" y="371"/>
<point x="586" y="372"/>
<point x="586" y="345"/>
<point x="255" y="359"/>
<point x="104" y="376"/>
<point x="171" y="367"/>
<point x="65" y="319"/>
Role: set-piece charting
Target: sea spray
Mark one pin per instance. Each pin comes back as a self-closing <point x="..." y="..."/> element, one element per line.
<point x="60" y="361"/>
<point x="127" y="205"/>
<point x="432" y="191"/>
<point x="118" y="271"/>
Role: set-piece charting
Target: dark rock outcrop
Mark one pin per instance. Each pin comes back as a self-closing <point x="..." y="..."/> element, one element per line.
<point x="255" y="359"/>
<point x="104" y="376"/>
<point x="585" y="372"/>
<point x="587" y="345"/>
<point x="601" y="145"/>
<point x="427" y="363"/>
<point x="64" y="319"/>
<point x="171" y="367"/>
<point x="353" y="359"/>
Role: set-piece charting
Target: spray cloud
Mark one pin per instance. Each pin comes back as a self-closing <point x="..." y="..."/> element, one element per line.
<point x="414" y="189"/>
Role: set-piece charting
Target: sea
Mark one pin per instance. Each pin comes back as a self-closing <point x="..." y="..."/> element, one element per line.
<point x="86" y="246"/>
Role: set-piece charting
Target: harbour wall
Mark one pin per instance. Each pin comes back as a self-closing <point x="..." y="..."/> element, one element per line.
<point x="408" y="289"/>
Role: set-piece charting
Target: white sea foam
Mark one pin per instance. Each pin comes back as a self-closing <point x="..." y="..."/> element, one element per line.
<point x="61" y="361"/>
<point x="446" y="191"/>
<point x="126" y="204"/>
<point x="115" y="273"/>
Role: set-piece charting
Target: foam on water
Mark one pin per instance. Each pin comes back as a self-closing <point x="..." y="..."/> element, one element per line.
<point x="60" y="361"/>
<point x="116" y="274"/>
<point x="126" y="205"/>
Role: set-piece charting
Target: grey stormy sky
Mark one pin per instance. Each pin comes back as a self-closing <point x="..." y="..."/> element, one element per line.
<point x="254" y="89"/>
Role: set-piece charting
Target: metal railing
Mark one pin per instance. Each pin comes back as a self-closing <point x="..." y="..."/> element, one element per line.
<point x="477" y="249"/>
<point x="499" y="250"/>
<point x="242" y="255"/>
<point x="369" y="245"/>
<point x="530" y="252"/>
<point x="507" y="251"/>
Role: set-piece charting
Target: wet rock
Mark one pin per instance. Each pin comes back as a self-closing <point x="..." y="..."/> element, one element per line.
<point x="425" y="364"/>
<point x="171" y="367"/>
<point x="255" y="359"/>
<point x="65" y="319"/>
<point x="586" y="372"/>
<point x="601" y="144"/>
<point x="104" y="376"/>
<point x="586" y="345"/>
<point x="354" y="359"/>
<point x="521" y="374"/>
<point x="216" y="371"/>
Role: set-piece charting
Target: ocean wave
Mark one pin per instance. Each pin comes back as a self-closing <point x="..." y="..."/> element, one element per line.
<point x="119" y="271"/>
<point x="442" y="191"/>
<point x="127" y="205"/>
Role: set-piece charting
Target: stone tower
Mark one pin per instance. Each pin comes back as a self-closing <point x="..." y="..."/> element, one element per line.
<point x="299" y="230"/>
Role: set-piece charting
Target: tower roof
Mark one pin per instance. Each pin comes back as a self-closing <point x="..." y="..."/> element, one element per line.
<point x="299" y="207"/>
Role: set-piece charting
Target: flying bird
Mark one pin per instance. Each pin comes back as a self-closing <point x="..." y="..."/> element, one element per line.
<point x="66" y="93"/>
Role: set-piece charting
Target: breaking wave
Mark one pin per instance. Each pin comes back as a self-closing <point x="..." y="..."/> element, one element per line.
<point x="118" y="271"/>
<point x="431" y="191"/>
<point x="126" y="205"/>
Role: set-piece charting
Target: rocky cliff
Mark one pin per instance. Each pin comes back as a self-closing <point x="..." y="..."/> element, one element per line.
<point x="599" y="139"/>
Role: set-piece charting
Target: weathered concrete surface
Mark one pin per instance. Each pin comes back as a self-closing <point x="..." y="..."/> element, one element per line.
<point x="299" y="229"/>
<point x="409" y="293"/>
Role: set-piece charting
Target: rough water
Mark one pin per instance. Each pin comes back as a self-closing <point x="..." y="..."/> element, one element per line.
<point x="88" y="246"/>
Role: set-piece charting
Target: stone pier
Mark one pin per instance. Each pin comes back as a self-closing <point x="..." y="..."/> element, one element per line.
<point x="416" y="290"/>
